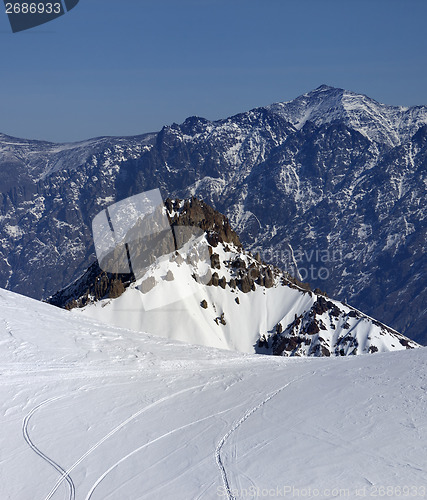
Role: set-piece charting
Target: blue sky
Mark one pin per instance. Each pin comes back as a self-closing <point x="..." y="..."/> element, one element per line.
<point x="126" y="67"/>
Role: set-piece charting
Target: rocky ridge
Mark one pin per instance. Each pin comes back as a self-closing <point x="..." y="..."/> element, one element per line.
<point x="302" y="322"/>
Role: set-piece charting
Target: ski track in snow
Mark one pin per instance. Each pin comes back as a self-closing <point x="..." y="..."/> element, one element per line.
<point x="28" y="440"/>
<point x="218" y="459"/>
<point x="65" y="474"/>
<point x="145" y="445"/>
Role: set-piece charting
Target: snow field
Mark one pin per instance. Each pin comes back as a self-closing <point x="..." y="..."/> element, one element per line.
<point x="126" y="415"/>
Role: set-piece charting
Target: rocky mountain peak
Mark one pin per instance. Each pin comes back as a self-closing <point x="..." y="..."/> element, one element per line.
<point x="96" y="283"/>
<point x="385" y="124"/>
<point x="242" y="304"/>
<point x="196" y="213"/>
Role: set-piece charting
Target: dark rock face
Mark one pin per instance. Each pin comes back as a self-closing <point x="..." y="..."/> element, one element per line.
<point x="95" y="284"/>
<point x="215" y="279"/>
<point x="116" y="289"/>
<point x="334" y="203"/>
<point x="197" y="213"/>
<point x="215" y="264"/>
<point x="246" y="284"/>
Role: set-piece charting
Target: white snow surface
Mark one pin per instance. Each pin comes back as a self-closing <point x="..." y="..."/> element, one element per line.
<point x="90" y="411"/>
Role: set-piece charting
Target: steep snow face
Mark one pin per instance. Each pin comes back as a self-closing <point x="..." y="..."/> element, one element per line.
<point x="91" y="411"/>
<point x="247" y="307"/>
<point x="390" y="125"/>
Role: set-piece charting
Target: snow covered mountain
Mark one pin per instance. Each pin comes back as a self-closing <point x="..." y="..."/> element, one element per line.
<point x="331" y="187"/>
<point x="389" y="125"/>
<point x="91" y="411"/>
<point x="244" y="304"/>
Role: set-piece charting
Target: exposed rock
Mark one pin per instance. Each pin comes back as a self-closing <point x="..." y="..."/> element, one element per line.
<point x="253" y="272"/>
<point x="406" y="343"/>
<point x="268" y="279"/>
<point x="177" y="257"/>
<point x="195" y="212"/>
<point x="169" y="276"/>
<point x="95" y="284"/>
<point x="220" y="320"/>
<point x="215" y="261"/>
<point x="147" y="285"/>
<point x="239" y="263"/>
<point x="215" y="279"/>
<point x="262" y="342"/>
<point x="245" y="284"/>
<point x="312" y="328"/>
<point x="116" y="289"/>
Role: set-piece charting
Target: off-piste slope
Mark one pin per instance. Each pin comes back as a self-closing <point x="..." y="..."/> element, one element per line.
<point x="92" y="411"/>
<point x="242" y="303"/>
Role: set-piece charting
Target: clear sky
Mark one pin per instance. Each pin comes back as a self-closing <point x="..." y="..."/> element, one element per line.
<point x="124" y="67"/>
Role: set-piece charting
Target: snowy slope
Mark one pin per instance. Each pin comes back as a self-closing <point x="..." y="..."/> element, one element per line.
<point x="90" y="411"/>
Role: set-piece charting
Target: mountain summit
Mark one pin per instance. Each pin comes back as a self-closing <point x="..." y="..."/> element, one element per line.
<point x="390" y="125"/>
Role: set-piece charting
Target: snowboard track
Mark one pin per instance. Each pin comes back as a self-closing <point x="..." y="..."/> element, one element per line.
<point x="153" y="441"/>
<point x="30" y="443"/>
<point x="65" y="474"/>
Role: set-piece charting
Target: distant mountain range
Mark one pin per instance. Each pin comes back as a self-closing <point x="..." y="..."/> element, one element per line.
<point x="330" y="187"/>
